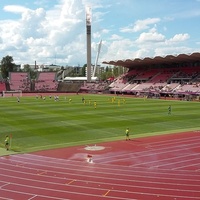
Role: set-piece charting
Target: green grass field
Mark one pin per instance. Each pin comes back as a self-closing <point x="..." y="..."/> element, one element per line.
<point x="37" y="124"/>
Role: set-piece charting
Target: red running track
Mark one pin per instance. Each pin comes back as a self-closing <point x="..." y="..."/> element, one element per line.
<point x="162" y="167"/>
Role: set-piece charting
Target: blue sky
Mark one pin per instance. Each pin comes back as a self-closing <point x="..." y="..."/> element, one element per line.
<point x="54" y="31"/>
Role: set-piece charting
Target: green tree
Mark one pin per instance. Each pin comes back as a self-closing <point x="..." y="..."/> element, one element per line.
<point x="116" y="71"/>
<point x="83" y="70"/>
<point x="33" y="74"/>
<point x="27" y="68"/>
<point x="105" y="75"/>
<point x="7" y="66"/>
<point x="107" y="69"/>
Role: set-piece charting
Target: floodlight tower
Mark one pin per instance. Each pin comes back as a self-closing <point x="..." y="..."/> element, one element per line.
<point x="88" y="32"/>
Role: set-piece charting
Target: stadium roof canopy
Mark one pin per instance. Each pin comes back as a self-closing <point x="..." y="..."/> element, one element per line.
<point x="158" y="60"/>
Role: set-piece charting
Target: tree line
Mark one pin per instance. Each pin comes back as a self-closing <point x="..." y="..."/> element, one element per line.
<point x="7" y="65"/>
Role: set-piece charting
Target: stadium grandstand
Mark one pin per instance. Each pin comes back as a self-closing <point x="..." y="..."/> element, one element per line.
<point x="19" y="81"/>
<point x="46" y="81"/>
<point x="170" y="76"/>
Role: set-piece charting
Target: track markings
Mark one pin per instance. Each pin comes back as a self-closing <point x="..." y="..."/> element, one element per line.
<point x="33" y="197"/>
<point x="41" y="173"/>
<point x="72" y="178"/>
<point x="70" y="182"/>
<point x="20" y="165"/>
<point x="4" y="185"/>
<point x="106" y="193"/>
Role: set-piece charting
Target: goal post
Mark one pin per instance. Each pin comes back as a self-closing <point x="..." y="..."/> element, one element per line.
<point x="14" y="93"/>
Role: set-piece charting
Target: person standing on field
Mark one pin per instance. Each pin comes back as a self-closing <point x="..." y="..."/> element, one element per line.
<point x="95" y="104"/>
<point x="169" y="110"/>
<point x="7" y="142"/>
<point x="127" y="134"/>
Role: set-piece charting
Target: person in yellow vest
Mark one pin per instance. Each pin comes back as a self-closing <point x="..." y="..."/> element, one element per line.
<point x="95" y="104"/>
<point x="127" y="134"/>
<point x="7" y="142"/>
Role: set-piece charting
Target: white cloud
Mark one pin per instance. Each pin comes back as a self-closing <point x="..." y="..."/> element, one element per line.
<point x="44" y="34"/>
<point x="140" y="25"/>
<point x="58" y="34"/>
<point x="115" y="37"/>
<point x="142" y="53"/>
<point x="152" y="36"/>
<point x="15" y="8"/>
<point x="179" y="37"/>
<point x="117" y="49"/>
<point x="171" y="50"/>
<point x="42" y="3"/>
<point x="97" y="35"/>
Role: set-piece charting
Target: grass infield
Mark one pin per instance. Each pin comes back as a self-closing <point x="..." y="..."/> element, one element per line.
<point x="37" y="124"/>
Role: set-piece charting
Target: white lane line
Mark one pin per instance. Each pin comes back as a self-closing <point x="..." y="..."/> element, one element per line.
<point x="68" y="165"/>
<point x="105" y="176"/>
